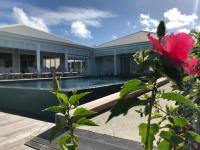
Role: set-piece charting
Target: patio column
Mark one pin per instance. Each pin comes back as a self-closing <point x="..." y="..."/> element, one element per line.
<point x="81" y="64"/>
<point x="115" y="62"/>
<point x="38" y="59"/>
<point x="66" y="59"/>
<point x="17" y="60"/>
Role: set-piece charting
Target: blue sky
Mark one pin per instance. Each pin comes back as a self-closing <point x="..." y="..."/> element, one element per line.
<point x="92" y="22"/>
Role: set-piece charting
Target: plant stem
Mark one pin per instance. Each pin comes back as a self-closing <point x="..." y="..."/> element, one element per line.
<point x="71" y="129"/>
<point x="152" y="100"/>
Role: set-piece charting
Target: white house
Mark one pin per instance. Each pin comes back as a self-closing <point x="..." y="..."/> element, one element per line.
<point x="23" y="48"/>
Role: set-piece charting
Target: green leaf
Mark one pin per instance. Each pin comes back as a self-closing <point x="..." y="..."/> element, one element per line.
<point x="64" y="139"/>
<point x="167" y="135"/>
<point x="85" y="121"/>
<point x="55" y="109"/>
<point x="62" y="97"/>
<point x="83" y="112"/>
<point x="131" y="86"/>
<point x="123" y="105"/>
<point x="156" y="115"/>
<point x="176" y="139"/>
<point x="64" y="147"/>
<point x="68" y="147"/>
<point x="172" y="137"/>
<point x="164" y="145"/>
<point x="74" y="99"/>
<point x="186" y="78"/>
<point x="154" y="129"/>
<point x="180" y="122"/>
<point x="179" y="98"/>
<point x="54" y="131"/>
<point x="193" y="136"/>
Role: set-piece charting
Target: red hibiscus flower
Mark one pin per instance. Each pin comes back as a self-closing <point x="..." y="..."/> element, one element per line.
<point x="191" y="65"/>
<point x="176" y="48"/>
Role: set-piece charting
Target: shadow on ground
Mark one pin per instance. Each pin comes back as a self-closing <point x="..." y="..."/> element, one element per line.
<point x="87" y="141"/>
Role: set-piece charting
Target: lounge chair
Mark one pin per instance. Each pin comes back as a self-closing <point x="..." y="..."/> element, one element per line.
<point x="4" y="72"/>
<point x="32" y="73"/>
<point x="46" y="73"/>
<point x="14" y="74"/>
<point x="66" y="74"/>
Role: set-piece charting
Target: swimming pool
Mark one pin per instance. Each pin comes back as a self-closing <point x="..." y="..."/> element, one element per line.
<point x="29" y="98"/>
<point x="77" y="83"/>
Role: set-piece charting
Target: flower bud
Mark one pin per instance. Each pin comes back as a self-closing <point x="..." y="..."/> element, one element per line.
<point x="56" y="85"/>
<point x="161" y="30"/>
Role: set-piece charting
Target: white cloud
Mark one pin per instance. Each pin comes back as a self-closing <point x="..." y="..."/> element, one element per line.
<point x="114" y="37"/>
<point x="197" y="27"/>
<point x="184" y="30"/>
<point x="175" y="19"/>
<point x="67" y="15"/>
<point x="80" y="30"/>
<point x="148" y="23"/>
<point x="34" y="22"/>
<point x="80" y="19"/>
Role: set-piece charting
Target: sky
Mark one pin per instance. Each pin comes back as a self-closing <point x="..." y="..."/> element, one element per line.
<point x="93" y="22"/>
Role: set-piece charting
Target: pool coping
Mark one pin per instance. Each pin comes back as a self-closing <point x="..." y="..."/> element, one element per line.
<point x="104" y="103"/>
<point x="37" y="79"/>
<point x="62" y="90"/>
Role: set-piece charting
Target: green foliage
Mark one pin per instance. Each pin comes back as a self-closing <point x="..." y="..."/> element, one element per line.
<point x="180" y="122"/>
<point x="179" y="127"/>
<point x="193" y="136"/>
<point x="164" y="145"/>
<point x="83" y="112"/>
<point x="154" y="129"/>
<point x="156" y="115"/>
<point x="85" y="121"/>
<point x="64" y="139"/>
<point x="55" y="109"/>
<point x="68" y="141"/>
<point x="180" y="98"/>
<point x="74" y="99"/>
<point x="131" y="86"/>
<point x="56" y="85"/>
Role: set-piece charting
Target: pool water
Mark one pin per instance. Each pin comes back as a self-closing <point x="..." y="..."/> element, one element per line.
<point x="65" y="83"/>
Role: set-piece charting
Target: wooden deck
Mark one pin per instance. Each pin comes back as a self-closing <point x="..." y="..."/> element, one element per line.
<point x="16" y="130"/>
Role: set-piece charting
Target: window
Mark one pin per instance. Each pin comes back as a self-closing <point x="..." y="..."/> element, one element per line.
<point x="51" y="62"/>
<point x="5" y="60"/>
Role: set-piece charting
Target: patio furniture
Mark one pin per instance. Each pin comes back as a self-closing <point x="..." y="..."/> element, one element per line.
<point x="32" y="73"/>
<point x="1" y="76"/>
<point x="46" y="72"/>
<point x="65" y="74"/>
<point x="14" y="73"/>
<point x="5" y="72"/>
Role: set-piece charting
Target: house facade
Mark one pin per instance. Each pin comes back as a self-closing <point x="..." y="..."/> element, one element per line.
<point x="24" y="49"/>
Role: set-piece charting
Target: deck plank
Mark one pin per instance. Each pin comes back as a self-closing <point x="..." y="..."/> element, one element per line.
<point x="16" y="130"/>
